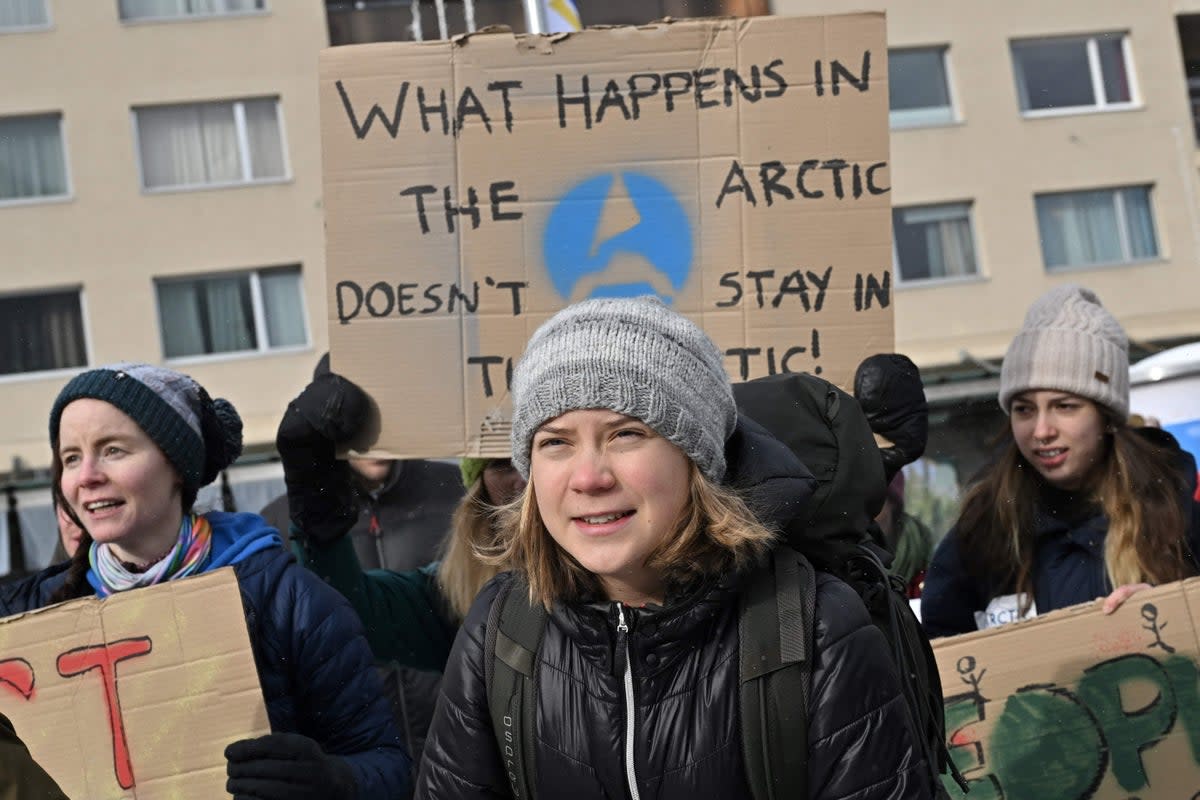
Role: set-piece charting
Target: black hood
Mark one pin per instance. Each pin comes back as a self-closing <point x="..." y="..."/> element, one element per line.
<point x="767" y="474"/>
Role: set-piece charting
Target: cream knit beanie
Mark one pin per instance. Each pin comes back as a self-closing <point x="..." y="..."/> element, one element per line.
<point x="634" y="356"/>
<point x="1071" y="343"/>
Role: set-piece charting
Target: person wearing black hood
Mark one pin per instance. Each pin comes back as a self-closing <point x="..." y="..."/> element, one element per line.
<point x="402" y="508"/>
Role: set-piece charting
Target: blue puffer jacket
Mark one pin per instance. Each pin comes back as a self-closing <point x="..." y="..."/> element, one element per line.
<point x="313" y="661"/>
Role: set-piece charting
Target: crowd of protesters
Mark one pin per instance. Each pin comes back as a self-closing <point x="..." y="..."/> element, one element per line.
<point x="631" y="513"/>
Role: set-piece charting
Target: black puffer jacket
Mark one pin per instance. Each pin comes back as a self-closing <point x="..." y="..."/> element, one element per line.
<point x="687" y="741"/>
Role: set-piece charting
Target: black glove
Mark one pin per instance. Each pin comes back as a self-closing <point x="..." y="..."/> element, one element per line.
<point x="889" y="389"/>
<point x="286" y="766"/>
<point x="320" y="488"/>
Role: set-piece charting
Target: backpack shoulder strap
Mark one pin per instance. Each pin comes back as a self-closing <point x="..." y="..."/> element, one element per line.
<point x="514" y="633"/>
<point x="775" y="636"/>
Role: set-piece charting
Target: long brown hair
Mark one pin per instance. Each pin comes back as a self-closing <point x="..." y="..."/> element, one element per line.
<point x="1137" y="487"/>
<point x="716" y="533"/>
<point x="461" y="574"/>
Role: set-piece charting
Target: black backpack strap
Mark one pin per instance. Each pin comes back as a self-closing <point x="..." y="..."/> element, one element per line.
<point x="775" y="636"/>
<point x="514" y="633"/>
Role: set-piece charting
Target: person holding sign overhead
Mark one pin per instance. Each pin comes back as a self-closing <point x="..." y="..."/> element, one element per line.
<point x="132" y="445"/>
<point x="1078" y="505"/>
<point x="639" y="554"/>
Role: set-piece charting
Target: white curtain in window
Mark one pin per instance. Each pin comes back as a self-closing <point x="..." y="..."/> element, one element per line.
<point x="149" y="9"/>
<point x="951" y="251"/>
<point x="179" y="319"/>
<point x="1140" y="223"/>
<point x="231" y="326"/>
<point x="188" y="145"/>
<point x="283" y="308"/>
<point x="1079" y="228"/>
<point x="266" y="143"/>
<point x="31" y="157"/>
<point x="22" y="13"/>
<point x="143" y="9"/>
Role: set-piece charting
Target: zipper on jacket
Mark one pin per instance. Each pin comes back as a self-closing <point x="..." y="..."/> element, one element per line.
<point x="630" y="720"/>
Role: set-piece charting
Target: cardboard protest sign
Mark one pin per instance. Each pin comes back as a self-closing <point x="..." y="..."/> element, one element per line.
<point x="736" y="168"/>
<point x="1075" y="704"/>
<point x="135" y="696"/>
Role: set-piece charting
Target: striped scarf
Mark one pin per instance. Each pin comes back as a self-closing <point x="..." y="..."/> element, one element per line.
<point x="190" y="551"/>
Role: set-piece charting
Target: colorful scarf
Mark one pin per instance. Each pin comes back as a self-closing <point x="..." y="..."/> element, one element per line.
<point x="190" y="551"/>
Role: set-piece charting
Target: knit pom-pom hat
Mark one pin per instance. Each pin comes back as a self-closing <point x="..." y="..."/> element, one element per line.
<point x="198" y="435"/>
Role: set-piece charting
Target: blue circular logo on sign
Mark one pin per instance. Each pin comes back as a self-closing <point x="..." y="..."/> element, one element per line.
<point x="602" y="241"/>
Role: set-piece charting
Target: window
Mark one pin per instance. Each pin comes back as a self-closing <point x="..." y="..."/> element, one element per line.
<point x="174" y="9"/>
<point x="41" y="331"/>
<point x="210" y="144"/>
<point x="934" y="242"/>
<point x="1106" y="226"/>
<point x="918" y="92"/>
<point x="1074" y="73"/>
<point x="233" y="312"/>
<point x="32" y="163"/>
<point x="17" y="14"/>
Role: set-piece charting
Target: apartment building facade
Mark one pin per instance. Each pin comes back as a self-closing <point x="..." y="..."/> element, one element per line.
<point x="1032" y="145"/>
<point x="160" y="201"/>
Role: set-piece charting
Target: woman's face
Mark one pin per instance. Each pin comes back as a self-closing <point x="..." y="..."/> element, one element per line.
<point x="608" y="490"/>
<point x="502" y="481"/>
<point x="117" y="481"/>
<point x="1061" y="434"/>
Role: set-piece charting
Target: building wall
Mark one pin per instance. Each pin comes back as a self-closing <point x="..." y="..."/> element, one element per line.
<point x="998" y="160"/>
<point x="112" y="238"/>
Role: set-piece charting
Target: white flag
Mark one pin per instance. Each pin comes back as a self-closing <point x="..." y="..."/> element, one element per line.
<point x="561" y="16"/>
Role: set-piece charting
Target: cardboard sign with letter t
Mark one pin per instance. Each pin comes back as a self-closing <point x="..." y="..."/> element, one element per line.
<point x="135" y="696"/>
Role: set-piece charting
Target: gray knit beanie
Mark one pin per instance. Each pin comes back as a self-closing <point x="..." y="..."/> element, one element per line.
<point x="1071" y="343"/>
<point x="634" y="356"/>
<point x="198" y="435"/>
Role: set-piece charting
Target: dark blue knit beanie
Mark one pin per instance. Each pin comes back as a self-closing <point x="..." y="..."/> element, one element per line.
<point x="198" y="435"/>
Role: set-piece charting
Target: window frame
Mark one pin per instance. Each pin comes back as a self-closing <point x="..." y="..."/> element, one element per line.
<point x="258" y="12"/>
<point x="45" y="26"/>
<point x="1122" y="228"/>
<point x="951" y="96"/>
<point x="69" y="194"/>
<point x="239" y="116"/>
<point x="1100" y="104"/>
<point x="84" y="324"/>
<point x="941" y="280"/>
<point x="258" y="309"/>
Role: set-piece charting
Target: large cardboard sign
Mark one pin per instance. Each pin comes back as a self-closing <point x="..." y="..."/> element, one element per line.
<point x="1076" y="704"/>
<point x="135" y="696"/>
<point x="736" y="168"/>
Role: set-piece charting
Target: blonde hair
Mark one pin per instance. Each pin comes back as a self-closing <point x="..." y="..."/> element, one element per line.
<point x="461" y="574"/>
<point x="716" y="533"/>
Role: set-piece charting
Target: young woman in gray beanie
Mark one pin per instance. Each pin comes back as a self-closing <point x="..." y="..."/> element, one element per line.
<point x="132" y="444"/>
<point x="630" y="536"/>
<point x="1079" y="505"/>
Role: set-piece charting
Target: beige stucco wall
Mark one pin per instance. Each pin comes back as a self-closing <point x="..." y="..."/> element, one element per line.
<point x="113" y="239"/>
<point x="999" y="160"/>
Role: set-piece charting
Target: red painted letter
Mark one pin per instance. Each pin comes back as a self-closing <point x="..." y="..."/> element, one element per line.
<point x="18" y="674"/>
<point x="105" y="658"/>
